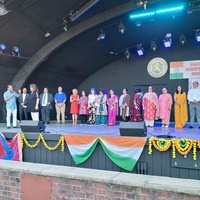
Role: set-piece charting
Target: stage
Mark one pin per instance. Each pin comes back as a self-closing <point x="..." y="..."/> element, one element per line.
<point x="69" y="128"/>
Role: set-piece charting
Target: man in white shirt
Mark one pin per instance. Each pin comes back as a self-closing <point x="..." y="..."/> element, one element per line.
<point x="194" y="103"/>
<point x="120" y="104"/>
<point x="23" y="101"/>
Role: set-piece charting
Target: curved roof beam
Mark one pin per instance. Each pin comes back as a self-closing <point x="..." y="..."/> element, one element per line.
<point x="31" y="65"/>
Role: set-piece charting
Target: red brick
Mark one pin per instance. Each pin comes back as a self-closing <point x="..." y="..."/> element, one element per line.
<point x="89" y="190"/>
<point x="130" y="195"/>
<point x="101" y="191"/>
<point x="143" y="191"/>
<point x="76" y="182"/>
<point x="65" y="187"/>
<point x="101" y="186"/>
<point x="116" y="194"/>
<point x="76" y="188"/>
<point x="192" y="198"/>
<point x="89" y="196"/>
<point x="100" y="197"/>
<point x="79" y="194"/>
<point x="88" y="184"/>
<point x="178" y="196"/>
<point x="14" y="174"/>
<point x="56" y="180"/>
<point x="116" y="188"/>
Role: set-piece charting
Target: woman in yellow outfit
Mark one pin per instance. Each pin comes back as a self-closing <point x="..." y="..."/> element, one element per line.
<point x="180" y="108"/>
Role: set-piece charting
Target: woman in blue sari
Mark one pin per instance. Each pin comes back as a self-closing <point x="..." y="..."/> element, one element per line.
<point x="101" y="113"/>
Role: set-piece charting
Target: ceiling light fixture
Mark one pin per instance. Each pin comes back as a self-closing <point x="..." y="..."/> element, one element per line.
<point x="167" y="41"/>
<point x="182" y="39"/>
<point x="140" y="50"/>
<point x="75" y="14"/>
<point x="121" y="28"/>
<point x="101" y="36"/>
<point x="2" y="48"/>
<point x="15" y="51"/>
<point x="64" y="24"/>
<point x="127" y="54"/>
<point x="3" y="10"/>
<point x="153" y="46"/>
<point x="47" y="34"/>
<point x="197" y="35"/>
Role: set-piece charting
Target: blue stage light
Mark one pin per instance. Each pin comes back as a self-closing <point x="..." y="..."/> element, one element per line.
<point x="140" y="50"/>
<point x="2" y="47"/>
<point x="142" y="15"/>
<point x="197" y="36"/>
<point x="170" y="9"/>
<point x="15" y="51"/>
<point x="167" y="42"/>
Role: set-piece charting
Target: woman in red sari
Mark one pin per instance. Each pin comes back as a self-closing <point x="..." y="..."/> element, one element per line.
<point x="136" y="111"/>
<point x="150" y="107"/>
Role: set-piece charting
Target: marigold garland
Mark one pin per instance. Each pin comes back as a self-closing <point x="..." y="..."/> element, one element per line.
<point x="41" y="138"/>
<point x="183" y="146"/>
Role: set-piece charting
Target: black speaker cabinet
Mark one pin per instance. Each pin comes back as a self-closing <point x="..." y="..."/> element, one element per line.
<point x="29" y="126"/>
<point x="137" y="129"/>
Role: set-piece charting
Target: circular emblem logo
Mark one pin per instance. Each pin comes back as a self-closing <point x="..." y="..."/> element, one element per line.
<point x="157" y="67"/>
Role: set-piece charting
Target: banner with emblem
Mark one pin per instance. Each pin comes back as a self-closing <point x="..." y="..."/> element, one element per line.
<point x="185" y="69"/>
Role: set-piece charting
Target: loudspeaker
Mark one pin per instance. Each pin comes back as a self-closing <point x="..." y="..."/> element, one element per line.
<point x="32" y="126"/>
<point x="137" y="129"/>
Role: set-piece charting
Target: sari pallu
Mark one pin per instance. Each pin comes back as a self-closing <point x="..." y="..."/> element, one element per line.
<point x="126" y="104"/>
<point x="112" y="110"/>
<point x="101" y="112"/>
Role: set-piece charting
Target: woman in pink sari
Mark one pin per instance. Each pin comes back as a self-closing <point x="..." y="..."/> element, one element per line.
<point x="150" y="107"/>
<point x="165" y="104"/>
<point x="112" y="108"/>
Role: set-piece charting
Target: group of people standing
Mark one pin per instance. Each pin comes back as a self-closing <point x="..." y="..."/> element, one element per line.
<point x="102" y="109"/>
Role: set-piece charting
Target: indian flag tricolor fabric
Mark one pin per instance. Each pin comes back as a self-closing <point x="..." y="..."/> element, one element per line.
<point x="123" y="151"/>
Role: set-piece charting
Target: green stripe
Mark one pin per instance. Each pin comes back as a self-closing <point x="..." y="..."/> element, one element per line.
<point x="78" y="159"/>
<point x="126" y="163"/>
<point x="176" y="76"/>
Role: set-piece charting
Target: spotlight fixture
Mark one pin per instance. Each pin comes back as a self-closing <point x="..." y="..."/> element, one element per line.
<point x="140" y="50"/>
<point x="47" y="34"/>
<point x="15" y="51"/>
<point x="167" y="41"/>
<point x="138" y="23"/>
<point x="3" y="10"/>
<point x="182" y="39"/>
<point x="153" y="46"/>
<point x="76" y="14"/>
<point x="127" y="54"/>
<point x="121" y="28"/>
<point x="101" y="36"/>
<point x="197" y="35"/>
<point x="64" y="24"/>
<point x="2" y="48"/>
<point x="144" y="3"/>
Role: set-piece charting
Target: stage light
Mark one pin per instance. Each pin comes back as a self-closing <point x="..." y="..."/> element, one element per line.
<point x="145" y="14"/>
<point x="197" y="35"/>
<point x="3" y="10"/>
<point x="15" y="51"/>
<point x="153" y="46"/>
<point x="101" y="36"/>
<point x="47" y="34"/>
<point x="121" y="28"/>
<point x="170" y="9"/>
<point x="127" y="54"/>
<point x="140" y="50"/>
<point x="64" y="24"/>
<point x="2" y="47"/>
<point x="182" y="39"/>
<point x="138" y="23"/>
<point x="76" y="14"/>
<point x="167" y="41"/>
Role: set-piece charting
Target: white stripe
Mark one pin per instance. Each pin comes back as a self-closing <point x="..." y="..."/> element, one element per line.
<point x="80" y="149"/>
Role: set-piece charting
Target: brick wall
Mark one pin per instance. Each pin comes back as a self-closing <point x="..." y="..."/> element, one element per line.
<point x="67" y="183"/>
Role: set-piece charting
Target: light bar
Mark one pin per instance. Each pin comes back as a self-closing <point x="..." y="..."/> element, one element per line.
<point x="142" y="15"/>
<point x="77" y="13"/>
<point x="169" y="9"/>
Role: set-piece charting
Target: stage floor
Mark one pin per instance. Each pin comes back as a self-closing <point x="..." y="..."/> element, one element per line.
<point x="69" y="128"/>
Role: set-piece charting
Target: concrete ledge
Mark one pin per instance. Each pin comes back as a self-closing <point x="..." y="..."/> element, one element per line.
<point x="185" y="186"/>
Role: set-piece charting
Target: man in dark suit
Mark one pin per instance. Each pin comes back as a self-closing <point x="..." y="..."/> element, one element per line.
<point x="23" y="101"/>
<point x="46" y="100"/>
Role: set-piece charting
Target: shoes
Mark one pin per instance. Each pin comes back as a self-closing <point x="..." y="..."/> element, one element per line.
<point x="191" y="127"/>
<point x="166" y="126"/>
<point x="57" y="122"/>
<point x="8" y="127"/>
<point x="15" y="127"/>
<point x="163" y="126"/>
<point x="48" y="122"/>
